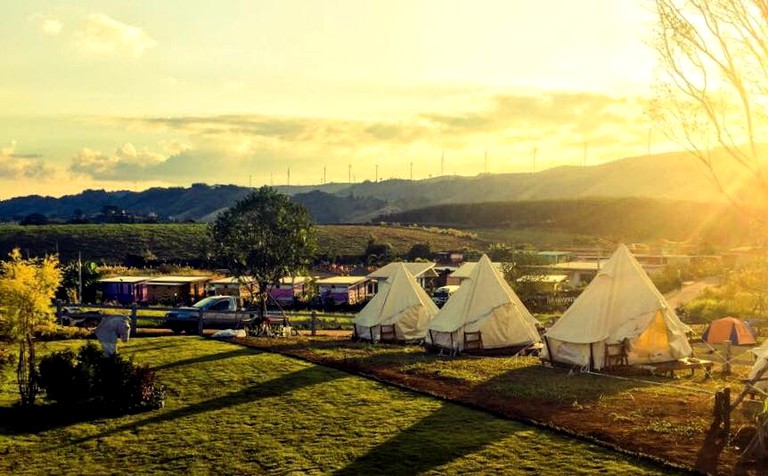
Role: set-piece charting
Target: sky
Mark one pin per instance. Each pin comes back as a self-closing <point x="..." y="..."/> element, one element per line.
<point x="135" y="94"/>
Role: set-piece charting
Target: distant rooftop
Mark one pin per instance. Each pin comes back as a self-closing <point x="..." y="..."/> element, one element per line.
<point x="126" y="279"/>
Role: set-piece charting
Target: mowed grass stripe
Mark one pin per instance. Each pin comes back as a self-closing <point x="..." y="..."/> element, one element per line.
<point x="232" y="410"/>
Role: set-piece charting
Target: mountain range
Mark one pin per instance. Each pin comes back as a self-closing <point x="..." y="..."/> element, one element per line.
<point x="672" y="176"/>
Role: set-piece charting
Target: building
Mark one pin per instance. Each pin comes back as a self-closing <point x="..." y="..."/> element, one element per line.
<point x="124" y="290"/>
<point x="425" y="274"/>
<point x="345" y="289"/>
<point x="176" y="290"/>
<point x="231" y="286"/>
<point x="289" y="289"/>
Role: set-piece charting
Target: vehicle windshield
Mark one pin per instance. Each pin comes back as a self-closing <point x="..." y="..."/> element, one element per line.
<point x="441" y="293"/>
<point x="205" y="303"/>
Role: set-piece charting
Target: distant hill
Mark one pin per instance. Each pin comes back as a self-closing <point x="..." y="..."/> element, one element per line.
<point x="618" y="219"/>
<point x="185" y="243"/>
<point x="667" y="176"/>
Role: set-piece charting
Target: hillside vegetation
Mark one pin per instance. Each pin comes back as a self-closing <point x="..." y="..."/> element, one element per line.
<point x="171" y="242"/>
<point x="623" y="219"/>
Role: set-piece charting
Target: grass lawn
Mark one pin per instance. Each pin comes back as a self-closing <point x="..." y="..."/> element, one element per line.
<point x="666" y="418"/>
<point x="235" y="410"/>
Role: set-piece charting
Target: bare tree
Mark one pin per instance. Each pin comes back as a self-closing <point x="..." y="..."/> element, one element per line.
<point x="713" y="87"/>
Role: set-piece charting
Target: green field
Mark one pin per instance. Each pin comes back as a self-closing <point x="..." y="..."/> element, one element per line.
<point x="233" y="410"/>
<point x="112" y="242"/>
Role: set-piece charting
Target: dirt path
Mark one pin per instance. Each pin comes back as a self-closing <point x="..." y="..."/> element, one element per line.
<point x="690" y="290"/>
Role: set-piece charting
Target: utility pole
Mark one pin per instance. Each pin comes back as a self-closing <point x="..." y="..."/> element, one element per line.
<point x="324" y="176"/>
<point x="79" y="278"/>
<point x="377" y="173"/>
<point x="649" y="140"/>
<point x="349" y="173"/>
<point x="442" y="164"/>
<point x="289" y="176"/>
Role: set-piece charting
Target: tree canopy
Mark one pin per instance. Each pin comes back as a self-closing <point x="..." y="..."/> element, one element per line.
<point x="713" y="88"/>
<point x="263" y="237"/>
<point x="27" y="287"/>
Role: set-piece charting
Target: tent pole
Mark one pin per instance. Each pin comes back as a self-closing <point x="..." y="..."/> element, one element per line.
<point x="591" y="358"/>
<point x="549" y="350"/>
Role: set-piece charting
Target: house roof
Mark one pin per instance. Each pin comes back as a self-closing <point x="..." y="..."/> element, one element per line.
<point x="578" y="266"/>
<point x="417" y="270"/>
<point x="348" y="280"/>
<point x="126" y="279"/>
<point x="548" y="278"/>
<point x="230" y="280"/>
<point x="465" y="270"/>
<point x="178" y="279"/>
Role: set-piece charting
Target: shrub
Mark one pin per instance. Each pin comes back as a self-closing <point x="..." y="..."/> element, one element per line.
<point x="58" y="373"/>
<point x="89" y="376"/>
<point x="50" y="333"/>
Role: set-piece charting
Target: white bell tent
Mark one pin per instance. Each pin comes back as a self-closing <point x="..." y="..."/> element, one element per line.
<point x="621" y="306"/>
<point x="401" y="303"/>
<point x="484" y="311"/>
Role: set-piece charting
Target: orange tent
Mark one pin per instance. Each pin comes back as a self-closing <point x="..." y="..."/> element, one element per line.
<point x="729" y="328"/>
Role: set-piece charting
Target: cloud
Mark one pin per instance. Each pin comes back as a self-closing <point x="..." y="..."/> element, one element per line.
<point x="18" y="166"/>
<point x="225" y="148"/>
<point x="126" y="163"/>
<point x="51" y="26"/>
<point x="48" y="25"/>
<point x="102" y="35"/>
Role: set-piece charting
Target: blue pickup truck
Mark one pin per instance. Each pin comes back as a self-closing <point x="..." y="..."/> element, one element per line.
<point x="219" y="312"/>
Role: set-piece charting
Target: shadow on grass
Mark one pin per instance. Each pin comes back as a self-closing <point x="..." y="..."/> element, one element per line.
<point x="40" y="418"/>
<point x="445" y="435"/>
<point x="272" y="388"/>
<point x="206" y="358"/>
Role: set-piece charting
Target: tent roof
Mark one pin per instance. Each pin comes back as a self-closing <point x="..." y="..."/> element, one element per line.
<point x="398" y="293"/>
<point x="620" y="302"/>
<point x="729" y="328"/>
<point x="484" y="291"/>
<point x="466" y="269"/>
<point x="416" y="269"/>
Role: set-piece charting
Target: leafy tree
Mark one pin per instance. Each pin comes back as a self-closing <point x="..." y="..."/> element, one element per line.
<point x="522" y="275"/>
<point x="262" y="238"/>
<point x="419" y="251"/>
<point x="714" y="82"/>
<point x="377" y="253"/>
<point x="501" y="252"/>
<point x="35" y="219"/>
<point x="26" y="289"/>
<point x="72" y="273"/>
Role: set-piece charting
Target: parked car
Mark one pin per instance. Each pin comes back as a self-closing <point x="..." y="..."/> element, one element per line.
<point x="443" y="293"/>
<point x="74" y="316"/>
<point x="219" y="312"/>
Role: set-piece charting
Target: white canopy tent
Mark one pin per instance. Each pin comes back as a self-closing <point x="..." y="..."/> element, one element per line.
<point x="400" y="302"/>
<point x="484" y="304"/>
<point x="758" y="369"/>
<point x="620" y="305"/>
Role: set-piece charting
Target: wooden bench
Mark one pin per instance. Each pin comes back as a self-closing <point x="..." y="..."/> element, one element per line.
<point x="669" y="368"/>
<point x="616" y="355"/>
<point x="473" y="341"/>
<point x="387" y="333"/>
